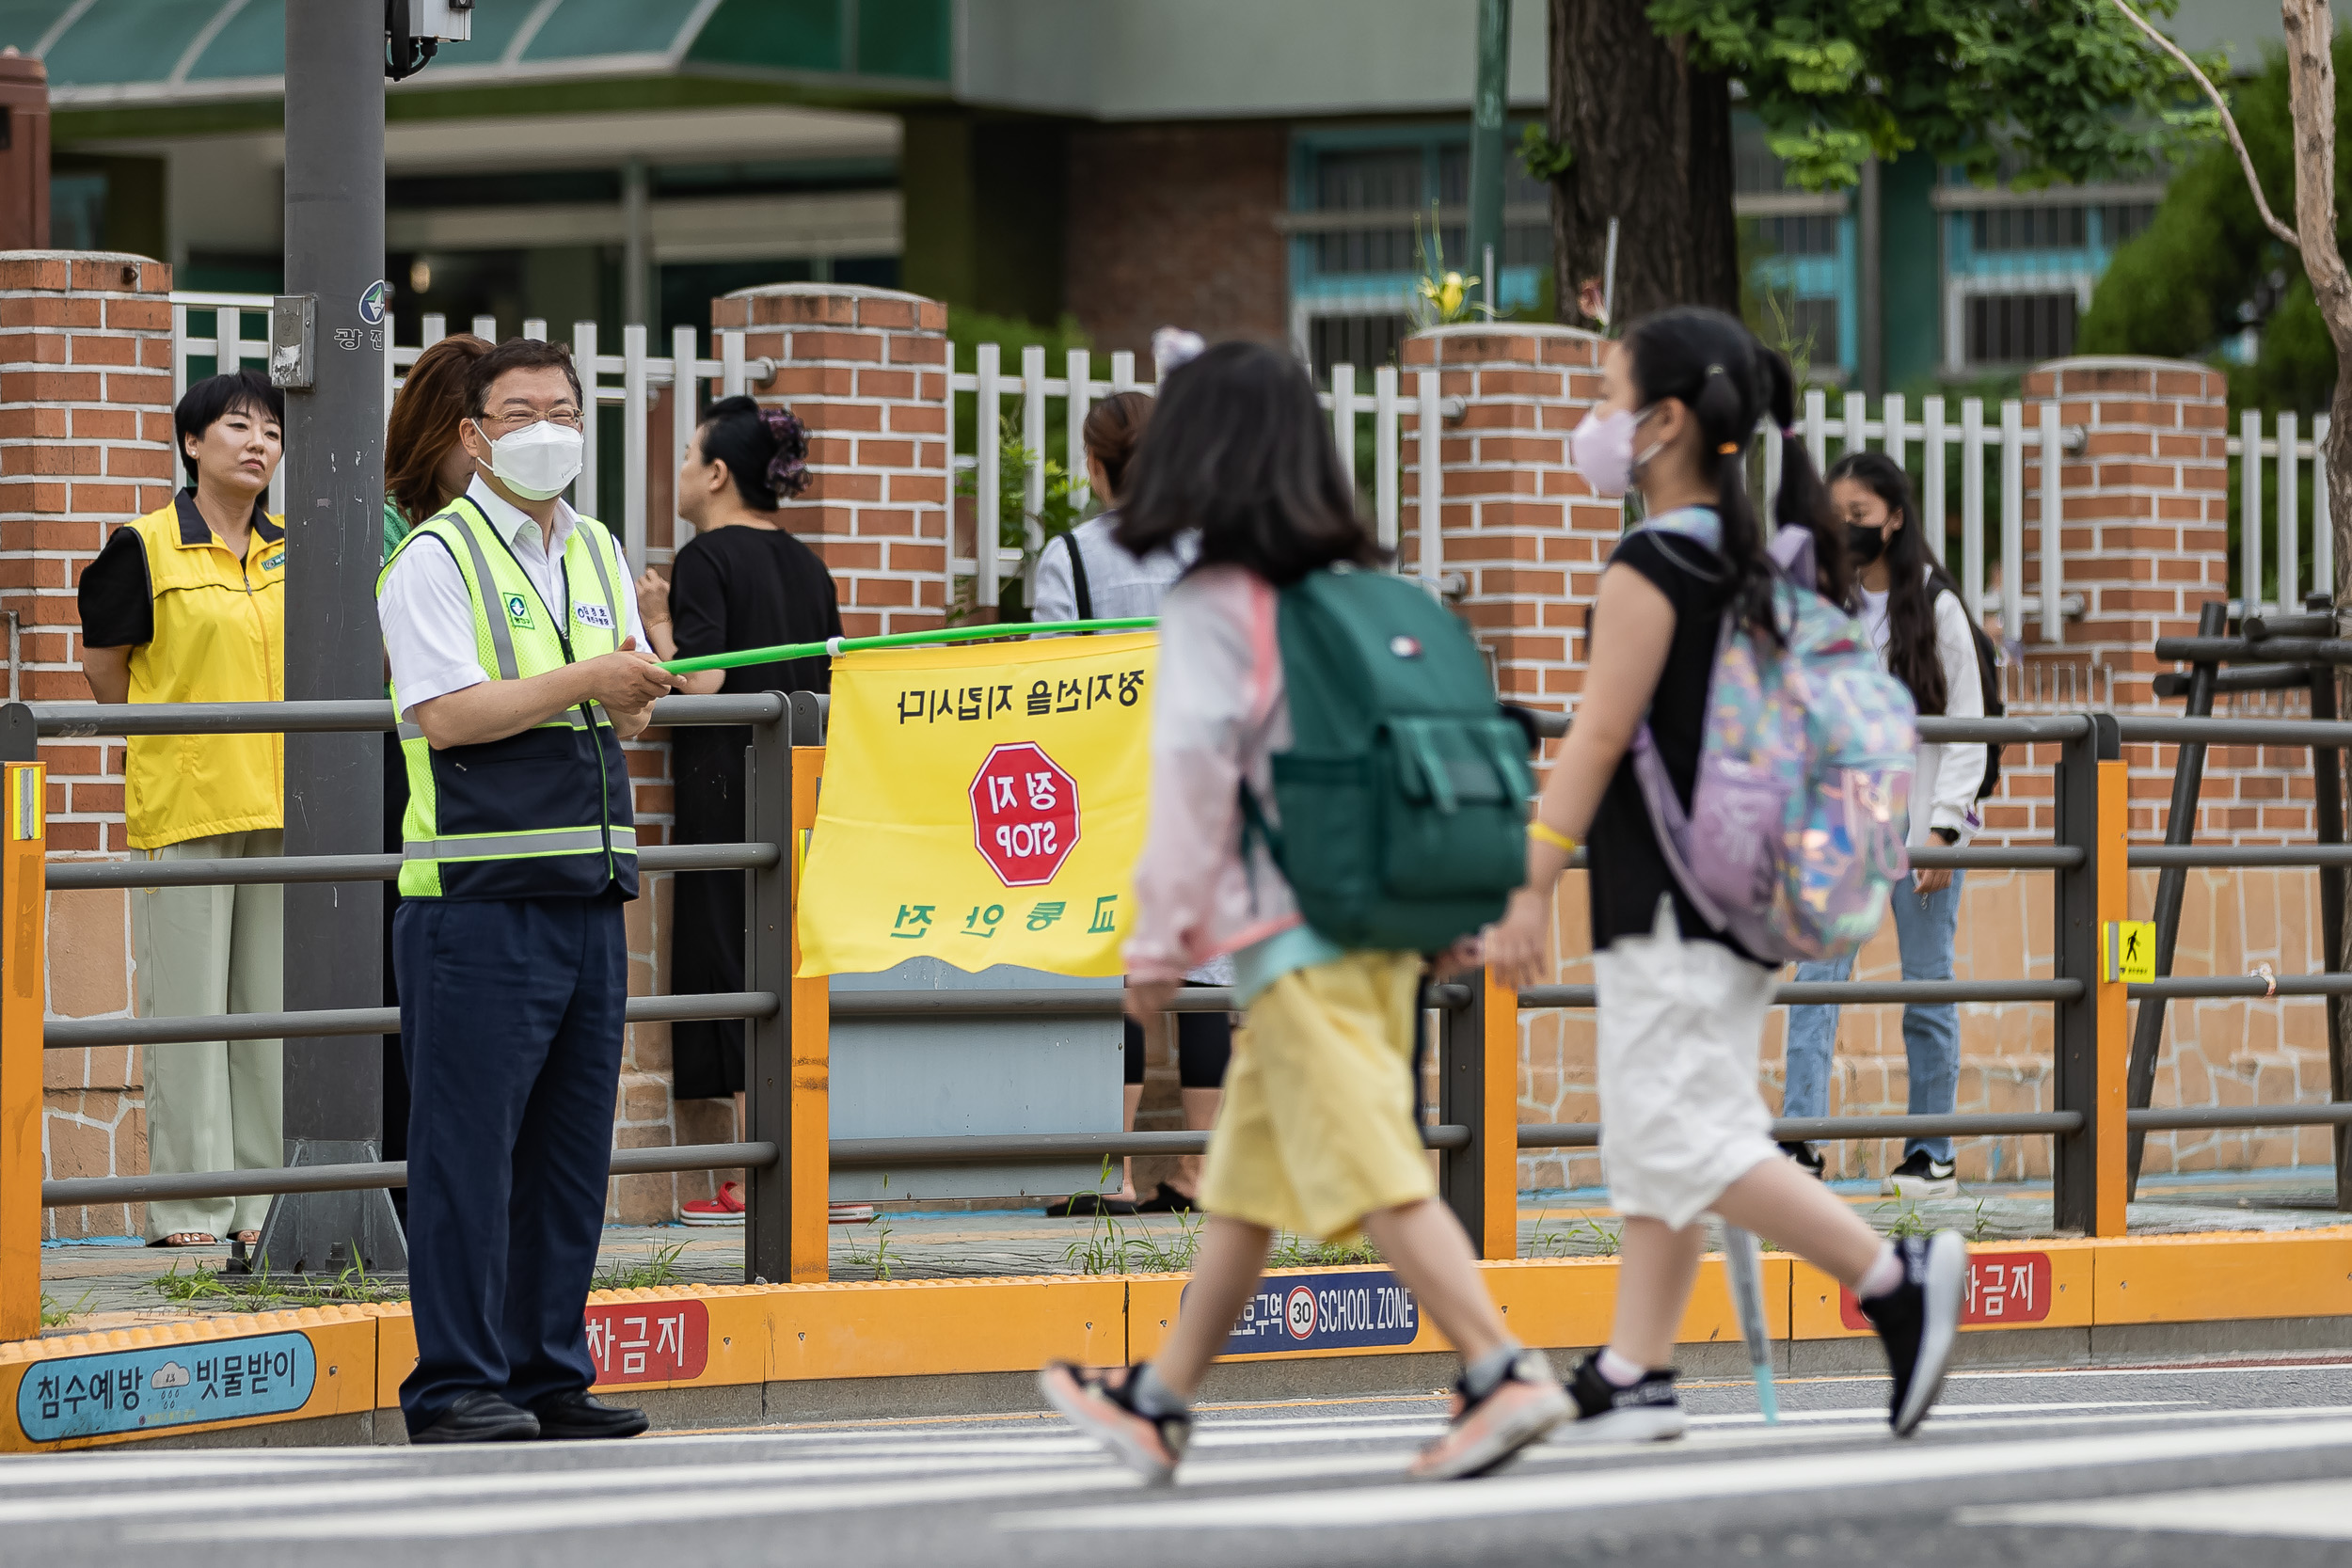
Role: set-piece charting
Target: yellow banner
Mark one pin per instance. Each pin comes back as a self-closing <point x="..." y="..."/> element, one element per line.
<point x="982" y="805"/>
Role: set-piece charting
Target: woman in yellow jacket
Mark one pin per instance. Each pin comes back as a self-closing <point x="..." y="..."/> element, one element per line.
<point x="187" y="605"/>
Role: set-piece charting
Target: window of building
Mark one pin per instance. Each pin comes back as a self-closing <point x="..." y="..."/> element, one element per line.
<point x="2123" y="220"/>
<point x="2005" y="329"/>
<point x="1361" y="207"/>
<point x="2003" y="229"/>
<point x="1801" y="235"/>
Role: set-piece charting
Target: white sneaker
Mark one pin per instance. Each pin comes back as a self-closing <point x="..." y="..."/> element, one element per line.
<point x="1920" y="1177"/>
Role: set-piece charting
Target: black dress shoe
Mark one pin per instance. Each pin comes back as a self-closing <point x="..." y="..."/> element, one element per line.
<point x="581" y="1414"/>
<point x="478" y="1416"/>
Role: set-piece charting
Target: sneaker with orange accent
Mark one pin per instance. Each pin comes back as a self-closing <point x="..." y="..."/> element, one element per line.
<point x="726" y="1209"/>
<point x="1102" y="1406"/>
<point x="1486" y="1432"/>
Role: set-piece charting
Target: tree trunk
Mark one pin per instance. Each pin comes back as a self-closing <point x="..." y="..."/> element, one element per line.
<point x="2311" y="103"/>
<point x="1652" y="139"/>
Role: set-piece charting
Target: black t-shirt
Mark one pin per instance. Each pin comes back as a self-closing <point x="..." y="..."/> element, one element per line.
<point x="116" y="595"/>
<point x="1628" y="873"/>
<point x="754" y="587"/>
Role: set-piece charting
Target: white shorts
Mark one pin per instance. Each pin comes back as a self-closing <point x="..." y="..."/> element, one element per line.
<point x="1681" y="1025"/>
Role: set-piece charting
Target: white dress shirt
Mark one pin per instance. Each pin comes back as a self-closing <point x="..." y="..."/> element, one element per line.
<point x="427" y="615"/>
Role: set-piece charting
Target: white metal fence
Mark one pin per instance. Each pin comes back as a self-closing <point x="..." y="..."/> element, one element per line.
<point x="1076" y="391"/>
<point x="2282" y="454"/>
<point x="1980" y="449"/>
<point x="625" y="380"/>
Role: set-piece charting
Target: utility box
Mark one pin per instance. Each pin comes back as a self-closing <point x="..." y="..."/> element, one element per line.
<point x="24" y="152"/>
<point x="950" y="1076"/>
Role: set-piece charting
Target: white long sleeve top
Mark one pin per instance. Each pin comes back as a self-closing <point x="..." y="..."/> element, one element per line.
<point x="1944" y="777"/>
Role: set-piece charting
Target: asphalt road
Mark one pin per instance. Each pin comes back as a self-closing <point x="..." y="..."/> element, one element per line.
<point x="2249" y="1464"/>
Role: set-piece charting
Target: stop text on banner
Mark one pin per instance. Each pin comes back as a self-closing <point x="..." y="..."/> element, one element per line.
<point x="982" y="805"/>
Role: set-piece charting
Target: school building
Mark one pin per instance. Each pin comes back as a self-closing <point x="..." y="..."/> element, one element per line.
<point x="1250" y="167"/>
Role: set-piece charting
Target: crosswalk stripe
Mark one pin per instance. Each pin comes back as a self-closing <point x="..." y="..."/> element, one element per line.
<point x="2311" y="1510"/>
<point x="1392" y="1505"/>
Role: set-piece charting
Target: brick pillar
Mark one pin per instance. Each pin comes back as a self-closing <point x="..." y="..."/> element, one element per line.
<point x="85" y="445"/>
<point x="1518" y="525"/>
<point x="2146" y="506"/>
<point x="865" y="370"/>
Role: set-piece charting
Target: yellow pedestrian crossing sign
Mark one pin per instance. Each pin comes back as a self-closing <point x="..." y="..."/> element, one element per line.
<point x="2130" y="951"/>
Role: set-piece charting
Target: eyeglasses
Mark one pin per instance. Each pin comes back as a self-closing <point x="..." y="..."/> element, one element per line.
<point x="515" y="419"/>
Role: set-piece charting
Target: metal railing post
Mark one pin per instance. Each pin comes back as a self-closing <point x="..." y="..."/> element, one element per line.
<point x="804" y="1149"/>
<point x="2088" y="1195"/>
<point x="24" y="991"/>
<point x="1478" y="1088"/>
<point x="768" y="1041"/>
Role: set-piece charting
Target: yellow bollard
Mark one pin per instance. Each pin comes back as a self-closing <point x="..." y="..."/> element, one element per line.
<point x="2112" y="1140"/>
<point x="811" y="1001"/>
<point x="23" y="970"/>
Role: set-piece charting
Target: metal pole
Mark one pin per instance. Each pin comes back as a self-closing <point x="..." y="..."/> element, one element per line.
<point x="1461" y="1094"/>
<point x="2074" y="1196"/>
<point x="1486" y="192"/>
<point x="2328" y="780"/>
<point x="2179" y="828"/>
<point x="334" y="509"/>
<point x="768" y="1041"/>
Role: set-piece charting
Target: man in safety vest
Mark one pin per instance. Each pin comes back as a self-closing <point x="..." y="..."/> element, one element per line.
<point x="516" y="671"/>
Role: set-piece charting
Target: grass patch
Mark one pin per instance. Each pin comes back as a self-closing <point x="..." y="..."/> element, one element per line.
<point x="876" y="1255"/>
<point x="262" y="1292"/>
<point x="659" y="1267"/>
<point x="1581" y="1237"/>
<point x="1297" y="1252"/>
<point x="54" y="1316"/>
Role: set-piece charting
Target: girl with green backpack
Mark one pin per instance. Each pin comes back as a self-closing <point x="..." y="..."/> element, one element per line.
<point x="1318" y="1134"/>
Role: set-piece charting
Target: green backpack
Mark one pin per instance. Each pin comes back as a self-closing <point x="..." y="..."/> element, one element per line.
<point x="1404" y="795"/>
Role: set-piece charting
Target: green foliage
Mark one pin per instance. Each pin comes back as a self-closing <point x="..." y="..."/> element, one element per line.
<point x="1542" y="157"/>
<point x="263" y="1291"/>
<point x="2207" y="263"/>
<point x="968" y="329"/>
<point x="657" y="1268"/>
<point x="1297" y="1252"/>
<point x="2039" y="90"/>
<point x="54" y="1316"/>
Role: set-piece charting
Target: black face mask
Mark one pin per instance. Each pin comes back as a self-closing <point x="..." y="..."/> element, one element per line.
<point x="1864" y="545"/>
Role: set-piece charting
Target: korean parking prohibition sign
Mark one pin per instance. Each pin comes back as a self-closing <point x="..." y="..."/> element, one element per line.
<point x="1025" y="814"/>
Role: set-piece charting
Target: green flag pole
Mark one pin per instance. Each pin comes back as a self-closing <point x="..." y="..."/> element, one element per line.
<point x="744" y="657"/>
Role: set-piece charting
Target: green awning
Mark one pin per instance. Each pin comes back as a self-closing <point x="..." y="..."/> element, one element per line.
<point x="130" y="53"/>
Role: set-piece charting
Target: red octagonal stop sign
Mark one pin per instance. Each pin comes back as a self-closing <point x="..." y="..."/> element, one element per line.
<point x="1025" y="814"/>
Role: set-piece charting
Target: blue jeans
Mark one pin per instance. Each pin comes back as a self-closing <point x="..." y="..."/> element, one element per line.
<point x="1924" y="927"/>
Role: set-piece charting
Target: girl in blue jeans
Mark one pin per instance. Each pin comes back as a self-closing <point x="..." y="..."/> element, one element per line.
<point x="1916" y="619"/>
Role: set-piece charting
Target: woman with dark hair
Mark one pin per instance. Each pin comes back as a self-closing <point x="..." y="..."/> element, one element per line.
<point x="1087" y="575"/>
<point x="1318" y="1135"/>
<point x="740" y="582"/>
<point x="425" y="467"/>
<point x="188" y="605"/>
<point x="1916" y="619"/>
<point x="1682" y="1007"/>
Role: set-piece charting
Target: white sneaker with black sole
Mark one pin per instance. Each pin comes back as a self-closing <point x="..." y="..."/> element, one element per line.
<point x="1918" y="1320"/>
<point x="1921" y="1177"/>
<point x="1645" y="1412"/>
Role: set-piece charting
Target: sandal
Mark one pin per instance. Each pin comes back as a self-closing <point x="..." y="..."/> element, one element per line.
<point x="1167" y="1201"/>
<point x="1089" y="1203"/>
<point x="186" y="1238"/>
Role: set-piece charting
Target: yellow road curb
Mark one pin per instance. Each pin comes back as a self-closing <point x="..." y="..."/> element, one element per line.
<point x="208" y="1374"/>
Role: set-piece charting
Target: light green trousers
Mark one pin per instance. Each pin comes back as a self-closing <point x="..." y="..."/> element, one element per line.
<point x="218" y="1104"/>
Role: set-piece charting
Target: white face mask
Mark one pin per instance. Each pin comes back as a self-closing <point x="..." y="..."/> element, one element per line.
<point x="1601" y="448"/>
<point x="537" y="461"/>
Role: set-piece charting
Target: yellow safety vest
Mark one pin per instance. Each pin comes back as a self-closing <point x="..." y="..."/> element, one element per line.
<point x="545" y="812"/>
<point x="219" y="636"/>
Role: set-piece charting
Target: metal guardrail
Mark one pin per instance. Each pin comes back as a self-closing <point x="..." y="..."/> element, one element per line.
<point x="1476" y="1036"/>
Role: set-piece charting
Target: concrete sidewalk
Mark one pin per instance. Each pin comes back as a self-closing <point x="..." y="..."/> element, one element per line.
<point x="105" y="1286"/>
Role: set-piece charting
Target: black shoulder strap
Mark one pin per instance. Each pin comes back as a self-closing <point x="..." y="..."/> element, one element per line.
<point x="1078" y="575"/>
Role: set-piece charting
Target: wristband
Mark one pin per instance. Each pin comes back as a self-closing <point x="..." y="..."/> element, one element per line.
<point x="1544" y="832"/>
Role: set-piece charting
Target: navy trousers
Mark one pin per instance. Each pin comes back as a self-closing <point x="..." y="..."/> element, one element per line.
<point x="511" y="1021"/>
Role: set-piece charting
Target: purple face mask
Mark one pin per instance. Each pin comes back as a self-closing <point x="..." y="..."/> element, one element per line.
<point x="1601" y="447"/>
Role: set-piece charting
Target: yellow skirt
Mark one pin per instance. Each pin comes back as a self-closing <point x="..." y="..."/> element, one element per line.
<point x="1317" y="1129"/>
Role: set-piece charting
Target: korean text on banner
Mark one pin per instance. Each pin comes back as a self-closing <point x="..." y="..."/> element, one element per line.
<point x="982" y="805"/>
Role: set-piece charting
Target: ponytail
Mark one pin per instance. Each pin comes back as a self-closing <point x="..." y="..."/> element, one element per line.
<point x="1803" y="501"/>
<point x="1730" y="381"/>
